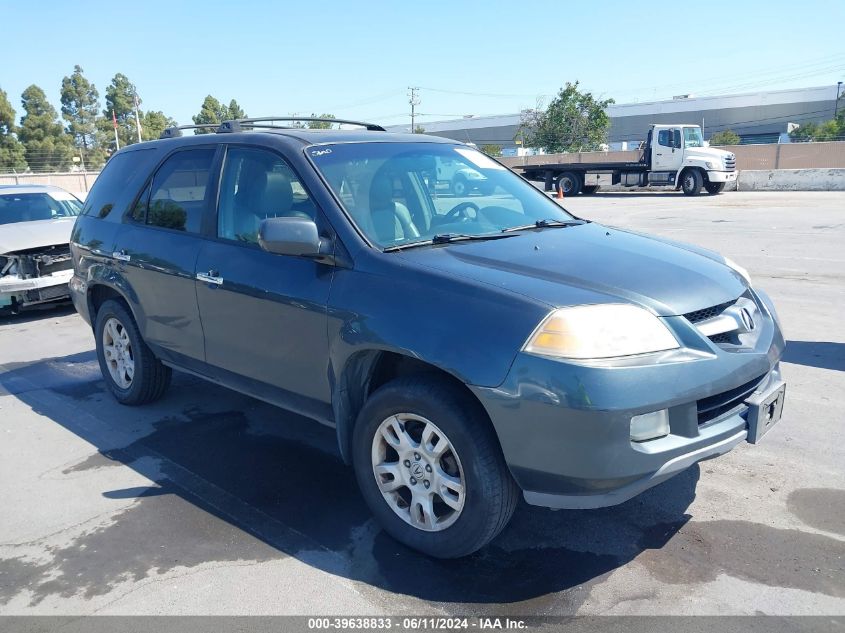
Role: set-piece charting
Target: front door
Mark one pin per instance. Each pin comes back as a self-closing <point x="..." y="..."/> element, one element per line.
<point x="667" y="150"/>
<point x="264" y="315"/>
<point x="159" y="245"/>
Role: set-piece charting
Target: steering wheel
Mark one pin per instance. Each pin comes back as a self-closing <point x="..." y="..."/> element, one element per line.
<point x="459" y="212"/>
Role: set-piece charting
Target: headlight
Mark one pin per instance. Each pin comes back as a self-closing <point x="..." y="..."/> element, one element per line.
<point x="710" y="165"/>
<point x="600" y="331"/>
<point x="742" y="272"/>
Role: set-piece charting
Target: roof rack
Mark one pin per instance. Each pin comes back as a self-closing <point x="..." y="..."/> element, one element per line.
<point x="238" y="125"/>
<point x="173" y="132"/>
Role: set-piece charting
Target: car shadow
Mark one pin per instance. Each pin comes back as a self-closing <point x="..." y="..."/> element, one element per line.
<point x="822" y="354"/>
<point x="278" y="477"/>
<point x="37" y="313"/>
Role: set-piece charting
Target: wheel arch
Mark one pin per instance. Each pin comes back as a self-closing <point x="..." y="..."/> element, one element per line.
<point x="684" y="169"/>
<point x="367" y="370"/>
<point x="99" y="292"/>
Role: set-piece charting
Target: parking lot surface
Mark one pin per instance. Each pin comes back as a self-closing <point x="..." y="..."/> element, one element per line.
<point x="210" y="502"/>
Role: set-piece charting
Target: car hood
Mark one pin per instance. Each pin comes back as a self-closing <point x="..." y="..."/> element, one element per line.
<point x="591" y="263"/>
<point x="21" y="236"/>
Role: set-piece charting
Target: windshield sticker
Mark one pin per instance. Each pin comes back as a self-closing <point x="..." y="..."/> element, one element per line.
<point x="321" y="152"/>
<point x="478" y="159"/>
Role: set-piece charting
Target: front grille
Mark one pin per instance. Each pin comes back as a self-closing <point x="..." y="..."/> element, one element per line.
<point x="708" y="313"/>
<point x="712" y="407"/>
<point x="730" y="164"/>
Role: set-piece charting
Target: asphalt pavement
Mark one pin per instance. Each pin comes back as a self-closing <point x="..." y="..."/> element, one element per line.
<point x="210" y="502"/>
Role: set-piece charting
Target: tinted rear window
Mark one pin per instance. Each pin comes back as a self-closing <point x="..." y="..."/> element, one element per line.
<point x="119" y="182"/>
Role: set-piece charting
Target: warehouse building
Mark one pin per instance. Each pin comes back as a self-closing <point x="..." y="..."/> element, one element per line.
<point x="759" y="117"/>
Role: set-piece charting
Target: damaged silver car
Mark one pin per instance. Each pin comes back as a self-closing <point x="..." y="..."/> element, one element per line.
<point x="35" y="226"/>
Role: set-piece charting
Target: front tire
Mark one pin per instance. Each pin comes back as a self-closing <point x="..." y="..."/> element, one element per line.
<point x="430" y="468"/>
<point x="714" y="188"/>
<point x="691" y="182"/>
<point x="131" y="372"/>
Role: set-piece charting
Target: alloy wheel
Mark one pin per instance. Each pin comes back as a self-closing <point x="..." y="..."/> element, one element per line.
<point x="418" y="472"/>
<point x="117" y="350"/>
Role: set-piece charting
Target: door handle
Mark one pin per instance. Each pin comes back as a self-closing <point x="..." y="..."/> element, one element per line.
<point x="211" y="277"/>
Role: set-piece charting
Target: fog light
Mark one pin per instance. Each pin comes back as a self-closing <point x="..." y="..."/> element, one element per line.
<point x="650" y="426"/>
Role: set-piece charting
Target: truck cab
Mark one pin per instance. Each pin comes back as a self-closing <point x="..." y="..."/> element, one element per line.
<point x="678" y="154"/>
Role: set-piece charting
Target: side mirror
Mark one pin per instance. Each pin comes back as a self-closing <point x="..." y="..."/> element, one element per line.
<point x="290" y="236"/>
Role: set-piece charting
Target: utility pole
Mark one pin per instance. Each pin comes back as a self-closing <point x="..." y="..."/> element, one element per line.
<point x="414" y="100"/>
<point x="137" y="116"/>
<point x="836" y="103"/>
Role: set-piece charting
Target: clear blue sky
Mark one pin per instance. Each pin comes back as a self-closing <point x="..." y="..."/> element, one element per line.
<point x="357" y="59"/>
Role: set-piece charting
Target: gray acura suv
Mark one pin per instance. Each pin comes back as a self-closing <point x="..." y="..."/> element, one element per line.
<point x="466" y="348"/>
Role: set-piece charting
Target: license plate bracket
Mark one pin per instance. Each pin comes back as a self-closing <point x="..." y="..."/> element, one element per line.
<point x="764" y="411"/>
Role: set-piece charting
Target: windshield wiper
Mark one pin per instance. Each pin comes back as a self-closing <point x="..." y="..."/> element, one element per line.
<point x="446" y="238"/>
<point x="542" y="224"/>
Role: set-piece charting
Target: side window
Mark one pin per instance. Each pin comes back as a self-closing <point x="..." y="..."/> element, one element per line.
<point x="180" y="191"/>
<point x="664" y="138"/>
<point x="257" y="184"/>
<point x="116" y="182"/>
<point x="677" y="138"/>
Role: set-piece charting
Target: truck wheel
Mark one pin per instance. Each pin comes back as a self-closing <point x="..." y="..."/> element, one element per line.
<point x="569" y="183"/>
<point x="691" y="182"/>
<point x="131" y="371"/>
<point x="430" y="468"/>
<point x="460" y="187"/>
<point x="589" y="189"/>
<point x="714" y="187"/>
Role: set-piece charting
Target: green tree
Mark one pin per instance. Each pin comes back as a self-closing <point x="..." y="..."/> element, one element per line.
<point x="831" y="130"/>
<point x="235" y="111"/>
<point x="153" y="123"/>
<point x="574" y="121"/>
<point x="120" y="99"/>
<point x="80" y="108"/>
<point x="12" y="153"/>
<point x="213" y="112"/>
<point x="492" y="150"/>
<point x="725" y="137"/>
<point x="320" y="125"/>
<point x="47" y="146"/>
<point x="419" y="130"/>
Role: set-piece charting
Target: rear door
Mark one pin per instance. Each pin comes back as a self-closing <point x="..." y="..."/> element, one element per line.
<point x="158" y="249"/>
<point x="264" y="315"/>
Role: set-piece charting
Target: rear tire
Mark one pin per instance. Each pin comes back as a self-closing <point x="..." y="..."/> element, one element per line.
<point x="691" y="182"/>
<point x="398" y="471"/>
<point x="569" y="183"/>
<point x="130" y="369"/>
<point x="589" y="189"/>
<point x="714" y="188"/>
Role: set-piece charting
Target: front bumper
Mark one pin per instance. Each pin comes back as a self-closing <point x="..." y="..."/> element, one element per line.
<point x="565" y="427"/>
<point x="34" y="290"/>
<point x="721" y="176"/>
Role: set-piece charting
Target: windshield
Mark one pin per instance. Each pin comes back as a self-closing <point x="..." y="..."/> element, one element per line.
<point x="28" y="207"/>
<point x="692" y="137"/>
<point x="401" y="193"/>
